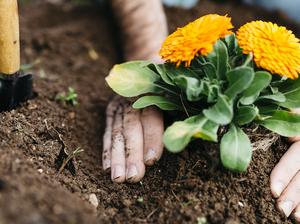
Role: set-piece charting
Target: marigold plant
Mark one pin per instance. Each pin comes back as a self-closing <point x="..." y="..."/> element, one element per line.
<point x="226" y="84"/>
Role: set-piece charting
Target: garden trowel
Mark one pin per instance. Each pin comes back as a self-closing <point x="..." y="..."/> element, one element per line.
<point x="15" y="87"/>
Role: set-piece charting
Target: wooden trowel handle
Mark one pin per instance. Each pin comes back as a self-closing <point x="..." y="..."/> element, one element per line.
<point x="9" y="37"/>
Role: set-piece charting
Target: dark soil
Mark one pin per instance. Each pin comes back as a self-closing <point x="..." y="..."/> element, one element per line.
<point x="179" y="189"/>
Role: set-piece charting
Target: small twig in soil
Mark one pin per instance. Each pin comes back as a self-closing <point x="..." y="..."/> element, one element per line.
<point x="175" y="195"/>
<point x="69" y="158"/>
<point x="64" y="160"/>
<point x="264" y="142"/>
<point x="151" y="213"/>
<point x="261" y="139"/>
<point x="241" y="180"/>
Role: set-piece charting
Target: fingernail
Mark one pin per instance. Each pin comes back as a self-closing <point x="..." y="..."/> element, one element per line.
<point x="131" y="172"/>
<point x="118" y="171"/>
<point x="278" y="187"/>
<point x="286" y="207"/>
<point x="150" y="156"/>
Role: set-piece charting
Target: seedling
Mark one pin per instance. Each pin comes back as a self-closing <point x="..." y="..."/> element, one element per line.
<point x="67" y="159"/>
<point x="15" y="86"/>
<point x="63" y="160"/>
<point x="217" y="80"/>
<point x="70" y="97"/>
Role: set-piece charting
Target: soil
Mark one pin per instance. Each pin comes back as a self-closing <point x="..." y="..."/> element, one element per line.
<point x="179" y="189"/>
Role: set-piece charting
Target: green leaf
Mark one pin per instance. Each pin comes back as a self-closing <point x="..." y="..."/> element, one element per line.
<point x="132" y="79"/>
<point x="236" y="151"/>
<point x="232" y="44"/>
<point x="221" y="112"/>
<point x="159" y="101"/>
<point x="267" y="109"/>
<point x="206" y="67"/>
<point x="211" y="91"/>
<point x="191" y="86"/>
<point x="239" y="79"/>
<point x="246" y="114"/>
<point x="291" y="90"/>
<point x="173" y="71"/>
<point x="180" y="133"/>
<point x="161" y="69"/>
<point x="209" y="70"/>
<point x="261" y="80"/>
<point x="282" y="122"/>
<point x="219" y="58"/>
<point x="277" y="97"/>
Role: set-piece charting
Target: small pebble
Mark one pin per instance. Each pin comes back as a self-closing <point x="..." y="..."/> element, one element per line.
<point x="40" y="170"/>
<point x="93" y="54"/>
<point x="241" y="204"/>
<point x="17" y="161"/>
<point x="93" y="200"/>
<point x="32" y="106"/>
<point x="201" y="220"/>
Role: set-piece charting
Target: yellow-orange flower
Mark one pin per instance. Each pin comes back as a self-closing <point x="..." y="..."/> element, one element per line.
<point x="274" y="48"/>
<point x="196" y="38"/>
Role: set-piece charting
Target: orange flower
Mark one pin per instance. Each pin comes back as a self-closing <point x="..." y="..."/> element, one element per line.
<point x="274" y="48"/>
<point x="196" y="38"/>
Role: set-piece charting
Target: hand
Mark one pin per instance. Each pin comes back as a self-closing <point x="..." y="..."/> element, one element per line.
<point x="285" y="180"/>
<point x="132" y="139"/>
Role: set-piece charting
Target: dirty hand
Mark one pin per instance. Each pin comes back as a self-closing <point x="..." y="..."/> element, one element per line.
<point x="285" y="180"/>
<point x="132" y="139"/>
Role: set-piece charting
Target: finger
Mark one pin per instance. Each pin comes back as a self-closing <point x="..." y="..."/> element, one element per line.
<point x="297" y="214"/>
<point x="285" y="170"/>
<point x="133" y="133"/>
<point x="290" y="197"/>
<point x="153" y="127"/>
<point x="296" y="138"/>
<point x="110" y="113"/>
<point x="118" y="149"/>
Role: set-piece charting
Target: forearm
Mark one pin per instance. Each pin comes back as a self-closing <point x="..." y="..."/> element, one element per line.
<point x="143" y="26"/>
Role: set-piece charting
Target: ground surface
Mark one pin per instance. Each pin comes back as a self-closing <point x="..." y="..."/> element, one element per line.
<point x="179" y="189"/>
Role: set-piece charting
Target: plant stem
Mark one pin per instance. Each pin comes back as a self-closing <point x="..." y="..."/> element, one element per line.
<point x="74" y="153"/>
<point x="166" y="89"/>
<point x="248" y="59"/>
<point x="185" y="110"/>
